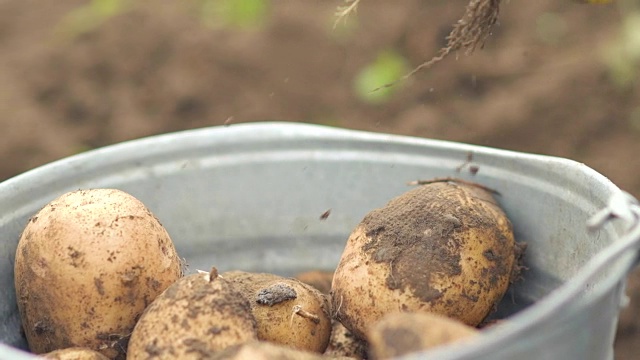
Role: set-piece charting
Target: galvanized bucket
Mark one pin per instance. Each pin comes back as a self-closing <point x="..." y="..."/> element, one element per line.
<point x="250" y="196"/>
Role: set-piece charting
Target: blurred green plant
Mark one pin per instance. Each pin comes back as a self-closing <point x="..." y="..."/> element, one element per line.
<point x="329" y="121"/>
<point x="388" y="66"/>
<point x="622" y="54"/>
<point x="90" y="16"/>
<point x="228" y="13"/>
<point x="80" y="148"/>
<point x="245" y="14"/>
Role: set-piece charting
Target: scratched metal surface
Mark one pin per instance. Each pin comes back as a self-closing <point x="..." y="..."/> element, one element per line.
<point x="250" y="196"/>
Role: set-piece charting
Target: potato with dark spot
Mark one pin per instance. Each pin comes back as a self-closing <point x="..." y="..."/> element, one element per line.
<point x="402" y="333"/>
<point x="287" y="311"/>
<point x="445" y="247"/>
<point x="86" y="267"/>
<point x="74" y="353"/>
<point x="196" y="317"/>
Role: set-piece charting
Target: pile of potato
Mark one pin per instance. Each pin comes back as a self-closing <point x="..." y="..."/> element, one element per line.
<point x="97" y="277"/>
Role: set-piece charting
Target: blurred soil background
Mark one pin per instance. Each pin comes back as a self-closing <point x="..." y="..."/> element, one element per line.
<point x="555" y="77"/>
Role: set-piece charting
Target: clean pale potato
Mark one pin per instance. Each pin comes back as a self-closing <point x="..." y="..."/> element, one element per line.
<point x="446" y="247"/>
<point x="287" y="311"/>
<point x="263" y="350"/>
<point x="86" y="267"/>
<point x="74" y="353"/>
<point x="402" y="333"/>
<point x="196" y="317"/>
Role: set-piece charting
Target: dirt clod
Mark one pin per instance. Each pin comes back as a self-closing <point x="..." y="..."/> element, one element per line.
<point x="275" y="294"/>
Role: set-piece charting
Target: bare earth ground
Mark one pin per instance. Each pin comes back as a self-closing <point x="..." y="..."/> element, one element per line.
<point x="158" y="69"/>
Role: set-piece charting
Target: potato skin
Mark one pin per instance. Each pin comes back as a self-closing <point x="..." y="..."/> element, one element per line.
<point x="445" y="247"/>
<point x="399" y="334"/>
<point x="319" y="279"/>
<point x="263" y="350"/>
<point x="273" y="301"/>
<point x="87" y="264"/>
<point x="343" y="343"/>
<point x="196" y="317"/>
<point x="74" y="353"/>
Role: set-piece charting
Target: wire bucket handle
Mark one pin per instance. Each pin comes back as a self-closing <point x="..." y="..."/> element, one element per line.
<point x="625" y="207"/>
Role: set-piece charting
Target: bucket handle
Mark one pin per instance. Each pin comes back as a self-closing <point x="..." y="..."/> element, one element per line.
<point x="621" y="205"/>
<point x="625" y="207"/>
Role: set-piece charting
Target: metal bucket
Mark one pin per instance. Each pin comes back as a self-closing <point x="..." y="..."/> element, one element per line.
<point x="250" y="197"/>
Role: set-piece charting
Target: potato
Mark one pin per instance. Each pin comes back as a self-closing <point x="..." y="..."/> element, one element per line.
<point x="74" y="353"/>
<point x="262" y="350"/>
<point x="194" y="318"/>
<point x="343" y="343"/>
<point x="445" y="247"/>
<point x="287" y="311"/>
<point x="86" y="266"/>
<point x="319" y="279"/>
<point x="398" y="334"/>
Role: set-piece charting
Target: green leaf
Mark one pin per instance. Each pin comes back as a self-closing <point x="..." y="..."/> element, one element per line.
<point x="90" y="16"/>
<point x="622" y="56"/>
<point x="388" y="67"/>
<point x="234" y="13"/>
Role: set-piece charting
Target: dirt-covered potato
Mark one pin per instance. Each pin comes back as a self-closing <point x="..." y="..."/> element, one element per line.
<point x="86" y="266"/>
<point x="194" y="318"/>
<point x="446" y="247"/>
<point x="287" y="311"/>
<point x="319" y="279"/>
<point x="402" y="333"/>
<point x="343" y="343"/>
<point x="263" y="350"/>
<point x="74" y="353"/>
